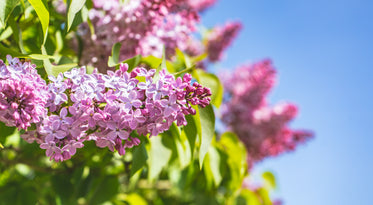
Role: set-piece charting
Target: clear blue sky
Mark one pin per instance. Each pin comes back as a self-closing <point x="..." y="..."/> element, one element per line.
<point x="323" y="50"/>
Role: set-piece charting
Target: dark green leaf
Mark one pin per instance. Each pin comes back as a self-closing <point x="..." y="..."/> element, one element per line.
<point x="207" y="130"/>
<point x="6" y="8"/>
<point x="5" y="131"/>
<point x="106" y="190"/>
<point x="191" y="132"/>
<point x="140" y="157"/>
<point x="17" y="34"/>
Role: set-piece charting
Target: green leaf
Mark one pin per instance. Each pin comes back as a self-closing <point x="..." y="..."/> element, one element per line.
<point x="57" y="69"/>
<point x="132" y="62"/>
<point x="159" y="157"/>
<point x="5" y="51"/>
<point x="114" y="58"/>
<point x="6" y="33"/>
<point x="269" y="179"/>
<point x="43" y="14"/>
<point x="207" y="130"/>
<point x="236" y="158"/>
<point x="106" y="190"/>
<point x="141" y="156"/>
<point x="74" y="8"/>
<point x="190" y="131"/>
<point x="6" y="8"/>
<point x="47" y="64"/>
<point x="152" y="61"/>
<point x="17" y="34"/>
<point x="248" y="197"/>
<point x="212" y="81"/>
<point x="212" y="165"/>
<point x="5" y="131"/>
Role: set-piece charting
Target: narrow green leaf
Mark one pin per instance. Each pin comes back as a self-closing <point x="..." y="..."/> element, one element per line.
<point x="74" y="8"/>
<point x="208" y="130"/>
<point x="5" y="51"/>
<point x="199" y="58"/>
<point x="114" y="58"/>
<point x="6" y="8"/>
<point x="212" y="81"/>
<point x="141" y="156"/>
<point x="43" y="14"/>
<point x="159" y="157"/>
<point x="57" y="69"/>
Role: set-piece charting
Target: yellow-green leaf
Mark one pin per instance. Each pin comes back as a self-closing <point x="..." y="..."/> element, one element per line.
<point x="43" y="14"/>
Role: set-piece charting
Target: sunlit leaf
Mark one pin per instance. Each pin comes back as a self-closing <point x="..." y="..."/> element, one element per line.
<point x="7" y="51"/>
<point x="57" y="69"/>
<point x="269" y="179"/>
<point x="43" y="14"/>
<point x="159" y="155"/>
<point x="212" y="165"/>
<point x="114" y="58"/>
<point x="212" y="81"/>
<point x="74" y="8"/>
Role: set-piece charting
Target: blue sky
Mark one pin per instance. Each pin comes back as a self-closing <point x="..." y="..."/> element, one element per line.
<point x="323" y="51"/>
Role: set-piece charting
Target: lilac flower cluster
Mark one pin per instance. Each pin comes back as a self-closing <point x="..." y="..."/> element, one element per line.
<point x="220" y="38"/>
<point x="107" y="108"/>
<point x="23" y="94"/>
<point x="201" y="5"/>
<point x="214" y="43"/>
<point x="263" y="129"/>
<point x="142" y="26"/>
